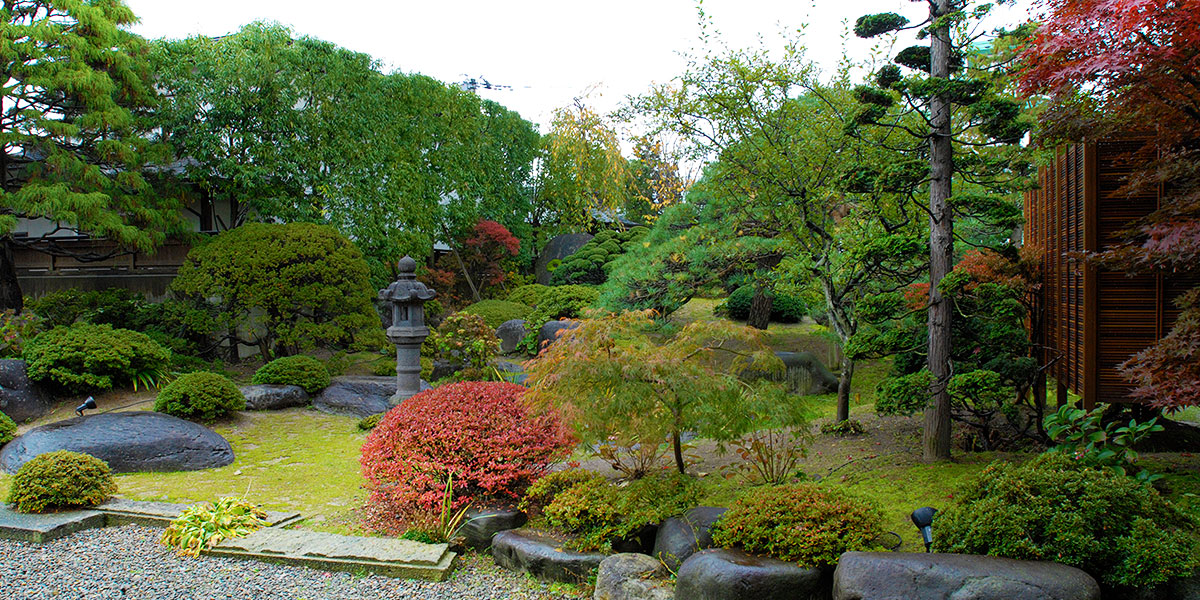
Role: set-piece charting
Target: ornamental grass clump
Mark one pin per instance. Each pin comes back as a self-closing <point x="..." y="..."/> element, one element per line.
<point x="201" y="396"/>
<point x="304" y="371"/>
<point x="1055" y="508"/>
<point x="205" y="525"/>
<point x="801" y="523"/>
<point x="61" y="479"/>
<point x="477" y="434"/>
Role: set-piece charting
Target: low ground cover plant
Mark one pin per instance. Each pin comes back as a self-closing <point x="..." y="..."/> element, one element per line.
<point x="83" y="358"/>
<point x="543" y="491"/>
<point x="304" y="371"/>
<point x="61" y="479"/>
<point x="200" y="396"/>
<point x="479" y="435"/>
<point x="802" y="523"/>
<point x="600" y="513"/>
<point x="1086" y="438"/>
<point x="206" y="524"/>
<point x="1116" y="528"/>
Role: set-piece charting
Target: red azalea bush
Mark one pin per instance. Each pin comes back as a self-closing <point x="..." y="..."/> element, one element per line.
<point x="477" y="433"/>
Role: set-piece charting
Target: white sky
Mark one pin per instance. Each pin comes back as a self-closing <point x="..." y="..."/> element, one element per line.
<point x="550" y="51"/>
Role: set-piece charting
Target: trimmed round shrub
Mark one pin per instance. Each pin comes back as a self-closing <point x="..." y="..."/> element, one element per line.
<point x="784" y="308"/>
<point x="201" y="396"/>
<point x="1119" y="530"/>
<point x="496" y="312"/>
<point x="8" y="429"/>
<point x="529" y="295"/>
<point x="83" y="357"/>
<point x="590" y="263"/>
<point x="476" y="438"/>
<point x="61" y="479"/>
<point x="304" y="371"/>
<point x="801" y="523"/>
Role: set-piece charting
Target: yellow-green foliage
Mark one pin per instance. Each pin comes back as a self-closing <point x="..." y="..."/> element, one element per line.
<point x="369" y="422"/>
<point x="1054" y="508"/>
<point x="601" y="513"/>
<point x="466" y="339"/>
<point x="298" y="286"/>
<point x="304" y="371"/>
<point x="83" y="358"/>
<point x="8" y="429"/>
<point x="61" y="479"/>
<point x="543" y="491"/>
<point x="529" y="295"/>
<point x="201" y="396"/>
<point x="801" y="523"/>
<point x="204" y="525"/>
<point x="496" y="312"/>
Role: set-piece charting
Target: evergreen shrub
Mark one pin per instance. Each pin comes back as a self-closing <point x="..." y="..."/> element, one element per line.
<point x="201" y="396"/>
<point x="61" y="479"/>
<point x="601" y="513"/>
<point x="8" y="429"/>
<point x="496" y="312"/>
<point x="83" y="357"/>
<point x="304" y="371"/>
<point x="784" y="308"/>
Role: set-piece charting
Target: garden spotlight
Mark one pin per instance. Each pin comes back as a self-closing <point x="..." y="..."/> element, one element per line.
<point x="89" y="404"/>
<point x="923" y="519"/>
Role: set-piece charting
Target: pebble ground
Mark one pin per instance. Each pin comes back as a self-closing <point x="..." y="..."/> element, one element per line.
<point x="128" y="562"/>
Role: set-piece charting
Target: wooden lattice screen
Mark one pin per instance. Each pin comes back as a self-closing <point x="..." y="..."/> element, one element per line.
<point x="1093" y="319"/>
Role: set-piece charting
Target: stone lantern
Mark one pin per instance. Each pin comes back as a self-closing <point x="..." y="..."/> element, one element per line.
<point x="407" y="297"/>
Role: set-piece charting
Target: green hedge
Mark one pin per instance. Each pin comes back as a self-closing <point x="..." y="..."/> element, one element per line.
<point x="304" y="371"/>
<point x="201" y="396"/>
<point x="496" y="312"/>
<point x="82" y="358"/>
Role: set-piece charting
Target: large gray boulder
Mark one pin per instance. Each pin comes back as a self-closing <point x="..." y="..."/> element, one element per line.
<point x="551" y="330"/>
<point x="483" y="524"/>
<point x="129" y="442"/>
<point x="558" y="248"/>
<point x="806" y="374"/>
<point x="680" y="537"/>
<point x="720" y="574"/>
<point x="542" y="556"/>
<point x="274" y="397"/>
<point x="918" y="576"/>
<point x="358" y="396"/>
<point x="20" y="399"/>
<point x="632" y="576"/>
<point x="511" y="333"/>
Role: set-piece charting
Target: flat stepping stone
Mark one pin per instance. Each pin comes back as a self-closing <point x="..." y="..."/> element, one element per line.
<point x="42" y="528"/>
<point x="330" y="552"/>
<point x="160" y="514"/>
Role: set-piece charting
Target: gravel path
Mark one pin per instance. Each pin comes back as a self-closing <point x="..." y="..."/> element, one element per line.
<point x="128" y="562"/>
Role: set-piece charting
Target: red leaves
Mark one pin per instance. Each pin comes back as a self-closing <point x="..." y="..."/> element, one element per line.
<point x="479" y="431"/>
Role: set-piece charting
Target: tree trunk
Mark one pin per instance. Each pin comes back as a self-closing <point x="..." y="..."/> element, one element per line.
<point x="470" y="283"/>
<point x="844" y="379"/>
<point x="10" y="288"/>
<point x="936" y="437"/>
<point x="677" y="446"/>
<point x="760" y="308"/>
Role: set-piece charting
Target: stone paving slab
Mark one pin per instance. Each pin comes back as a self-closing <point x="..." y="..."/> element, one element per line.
<point x="42" y="528"/>
<point x="386" y="556"/>
<point x="160" y="514"/>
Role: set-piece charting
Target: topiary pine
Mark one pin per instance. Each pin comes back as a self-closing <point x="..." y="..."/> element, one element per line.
<point x="201" y="396"/>
<point x="304" y="371"/>
<point x="61" y="479"/>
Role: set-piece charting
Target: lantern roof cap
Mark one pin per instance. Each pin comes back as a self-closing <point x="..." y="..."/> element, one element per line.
<point x="406" y="287"/>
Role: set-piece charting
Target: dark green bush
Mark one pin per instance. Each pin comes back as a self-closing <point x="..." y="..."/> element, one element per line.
<point x="590" y="263"/>
<point x="59" y="480"/>
<point x="843" y="428"/>
<point x="601" y="513"/>
<point x="529" y="295"/>
<point x="557" y="302"/>
<point x="801" y="523"/>
<point x="496" y="312"/>
<point x="304" y="371"/>
<point x="201" y="396"/>
<point x="83" y="358"/>
<point x="784" y="308"/>
<point x="1119" y="530"/>
<point x="8" y="429"/>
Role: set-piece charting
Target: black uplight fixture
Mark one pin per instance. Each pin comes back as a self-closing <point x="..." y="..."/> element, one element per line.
<point x="89" y="404"/>
<point x="923" y="519"/>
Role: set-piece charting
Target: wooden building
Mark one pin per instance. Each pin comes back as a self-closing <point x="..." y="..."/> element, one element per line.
<point x="1092" y="319"/>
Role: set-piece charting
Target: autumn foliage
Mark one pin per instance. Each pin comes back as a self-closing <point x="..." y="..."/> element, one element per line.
<point x="479" y="433"/>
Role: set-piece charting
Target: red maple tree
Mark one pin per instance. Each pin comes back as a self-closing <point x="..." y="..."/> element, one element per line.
<point x="1133" y="66"/>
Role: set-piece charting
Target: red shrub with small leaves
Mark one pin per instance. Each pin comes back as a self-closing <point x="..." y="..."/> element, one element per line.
<point x="478" y="432"/>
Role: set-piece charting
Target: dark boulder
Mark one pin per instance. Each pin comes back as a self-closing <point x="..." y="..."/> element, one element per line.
<point x="680" y="537"/>
<point x="551" y="330"/>
<point x="480" y="525"/>
<point x="720" y="574"/>
<point x="443" y="369"/>
<point x="129" y="442"/>
<point x="511" y="371"/>
<point x="918" y="576"/>
<point x="558" y="248"/>
<point x="806" y="374"/>
<point x="631" y="576"/>
<point x="640" y="541"/>
<point x="511" y="333"/>
<point x="20" y="399"/>
<point x="358" y="396"/>
<point x="274" y="397"/>
<point x="542" y="556"/>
